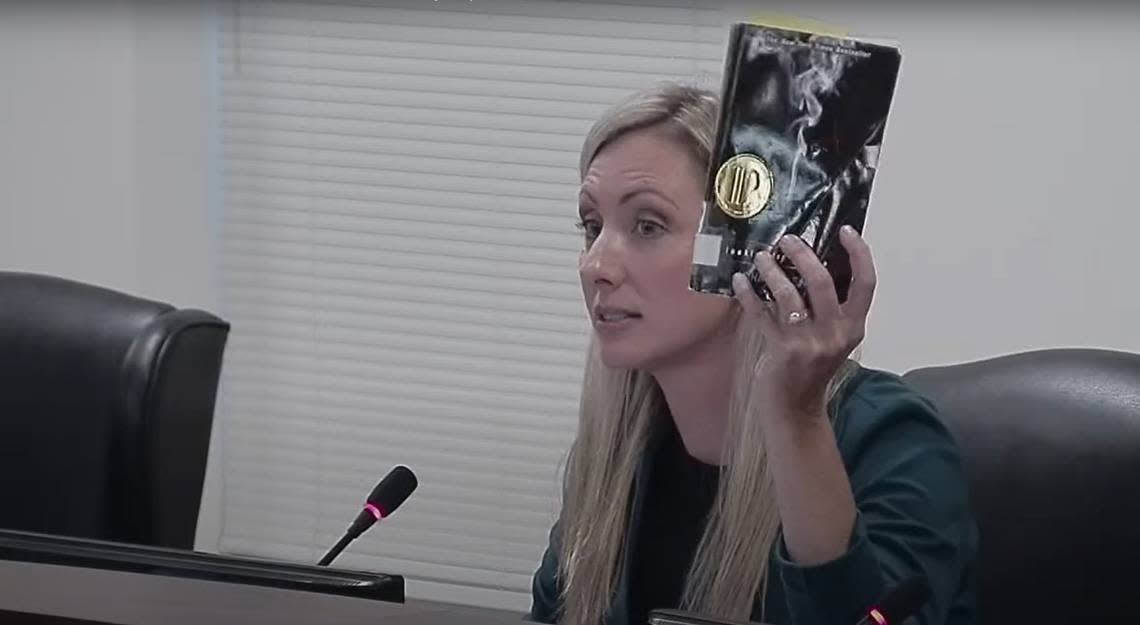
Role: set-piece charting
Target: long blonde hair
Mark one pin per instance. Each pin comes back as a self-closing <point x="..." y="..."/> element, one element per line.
<point x="616" y="416"/>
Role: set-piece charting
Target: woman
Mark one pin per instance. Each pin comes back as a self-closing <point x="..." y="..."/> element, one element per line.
<point x="730" y="459"/>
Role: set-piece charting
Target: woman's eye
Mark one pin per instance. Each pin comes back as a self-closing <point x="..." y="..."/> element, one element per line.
<point x="591" y="228"/>
<point x="648" y="228"/>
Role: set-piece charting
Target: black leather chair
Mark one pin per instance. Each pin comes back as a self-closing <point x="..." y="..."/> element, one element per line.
<point x="106" y="406"/>
<point x="1051" y="441"/>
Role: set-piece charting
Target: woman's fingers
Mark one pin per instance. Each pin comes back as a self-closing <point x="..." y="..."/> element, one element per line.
<point x="819" y="284"/>
<point x="863" y="278"/>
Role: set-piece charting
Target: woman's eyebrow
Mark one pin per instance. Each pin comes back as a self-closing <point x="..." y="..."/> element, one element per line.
<point x="584" y="194"/>
<point x="650" y="190"/>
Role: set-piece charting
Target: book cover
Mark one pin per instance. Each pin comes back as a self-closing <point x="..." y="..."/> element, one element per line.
<point x="801" y="125"/>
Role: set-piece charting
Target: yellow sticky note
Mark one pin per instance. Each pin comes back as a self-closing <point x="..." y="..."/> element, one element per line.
<point x="792" y="22"/>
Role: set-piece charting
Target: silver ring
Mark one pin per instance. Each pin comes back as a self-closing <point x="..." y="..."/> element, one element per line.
<point x="797" y="316"/>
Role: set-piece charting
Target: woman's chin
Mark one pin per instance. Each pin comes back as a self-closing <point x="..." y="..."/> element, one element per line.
<point x="615" y="356"/>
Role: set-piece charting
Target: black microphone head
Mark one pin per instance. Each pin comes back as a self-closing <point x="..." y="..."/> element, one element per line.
<point x="382" y="501"/>
<point x="393" y="490"/>
<point x="905" y="599"/>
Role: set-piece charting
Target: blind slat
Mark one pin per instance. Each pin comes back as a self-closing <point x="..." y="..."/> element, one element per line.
<point x="449" y="165"/>
<point x="254" y="376"/>
<point x="268" y="257"/>
<point x="274" y="187"/>
<point x="318" y="209"/>
<point x="343" y="18"/>
<point x="538" y="89"/>
<point x="691" y="46"/>
<point x="443" y="243"/>
<point x="355" y="301"/>
<point x="395" y="219"/>
<point x="245" y="139"/>
<point x="520" y="424"/>
<point x="411" y="176"/>
<point x="654" y="62"/>
<point x="237" y="121"/>
<point x="433" y="72"/>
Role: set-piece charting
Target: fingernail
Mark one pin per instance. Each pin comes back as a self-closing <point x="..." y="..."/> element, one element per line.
<point x="849" y="229"/>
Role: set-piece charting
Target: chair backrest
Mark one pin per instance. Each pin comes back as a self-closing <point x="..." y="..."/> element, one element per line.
<point x="106" y="407"/>
<point x="1051" y="441"/>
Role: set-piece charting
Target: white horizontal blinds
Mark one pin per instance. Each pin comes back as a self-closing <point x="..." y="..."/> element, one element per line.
<point x="399" y="267"/>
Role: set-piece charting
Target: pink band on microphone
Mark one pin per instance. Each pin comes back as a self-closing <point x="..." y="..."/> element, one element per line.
<point x="376" y="512"/>
<point x="878" y="616"/>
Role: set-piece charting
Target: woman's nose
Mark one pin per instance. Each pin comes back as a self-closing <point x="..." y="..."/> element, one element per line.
<point x="601" y="263"/>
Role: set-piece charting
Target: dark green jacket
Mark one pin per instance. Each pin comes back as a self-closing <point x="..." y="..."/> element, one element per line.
<point x="913" y="518"/>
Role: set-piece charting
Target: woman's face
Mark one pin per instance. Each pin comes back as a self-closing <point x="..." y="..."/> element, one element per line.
<point x="640" y="204"/>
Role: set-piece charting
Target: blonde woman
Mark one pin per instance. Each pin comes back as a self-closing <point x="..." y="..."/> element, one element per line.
<point x="730" y="458"/>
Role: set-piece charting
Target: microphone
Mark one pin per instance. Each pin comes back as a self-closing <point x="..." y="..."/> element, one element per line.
<point x="381" y="503"/>
<point x="901" y="602"/>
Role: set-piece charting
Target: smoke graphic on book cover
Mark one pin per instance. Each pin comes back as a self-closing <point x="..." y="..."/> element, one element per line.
<point x="801" y="123"/>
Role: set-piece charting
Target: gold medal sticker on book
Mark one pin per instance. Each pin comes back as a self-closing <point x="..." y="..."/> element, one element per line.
<point x="743" y="186"/>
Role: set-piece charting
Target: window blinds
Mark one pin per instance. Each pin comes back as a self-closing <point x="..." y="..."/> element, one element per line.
<point x="398" y="260"/>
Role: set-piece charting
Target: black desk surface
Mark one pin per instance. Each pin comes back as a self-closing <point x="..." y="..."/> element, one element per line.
<point x="42" y="594"/>
<point x="133" y="558"/>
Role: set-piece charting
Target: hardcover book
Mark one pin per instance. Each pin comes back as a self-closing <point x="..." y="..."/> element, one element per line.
<point x="797" y="149"/>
